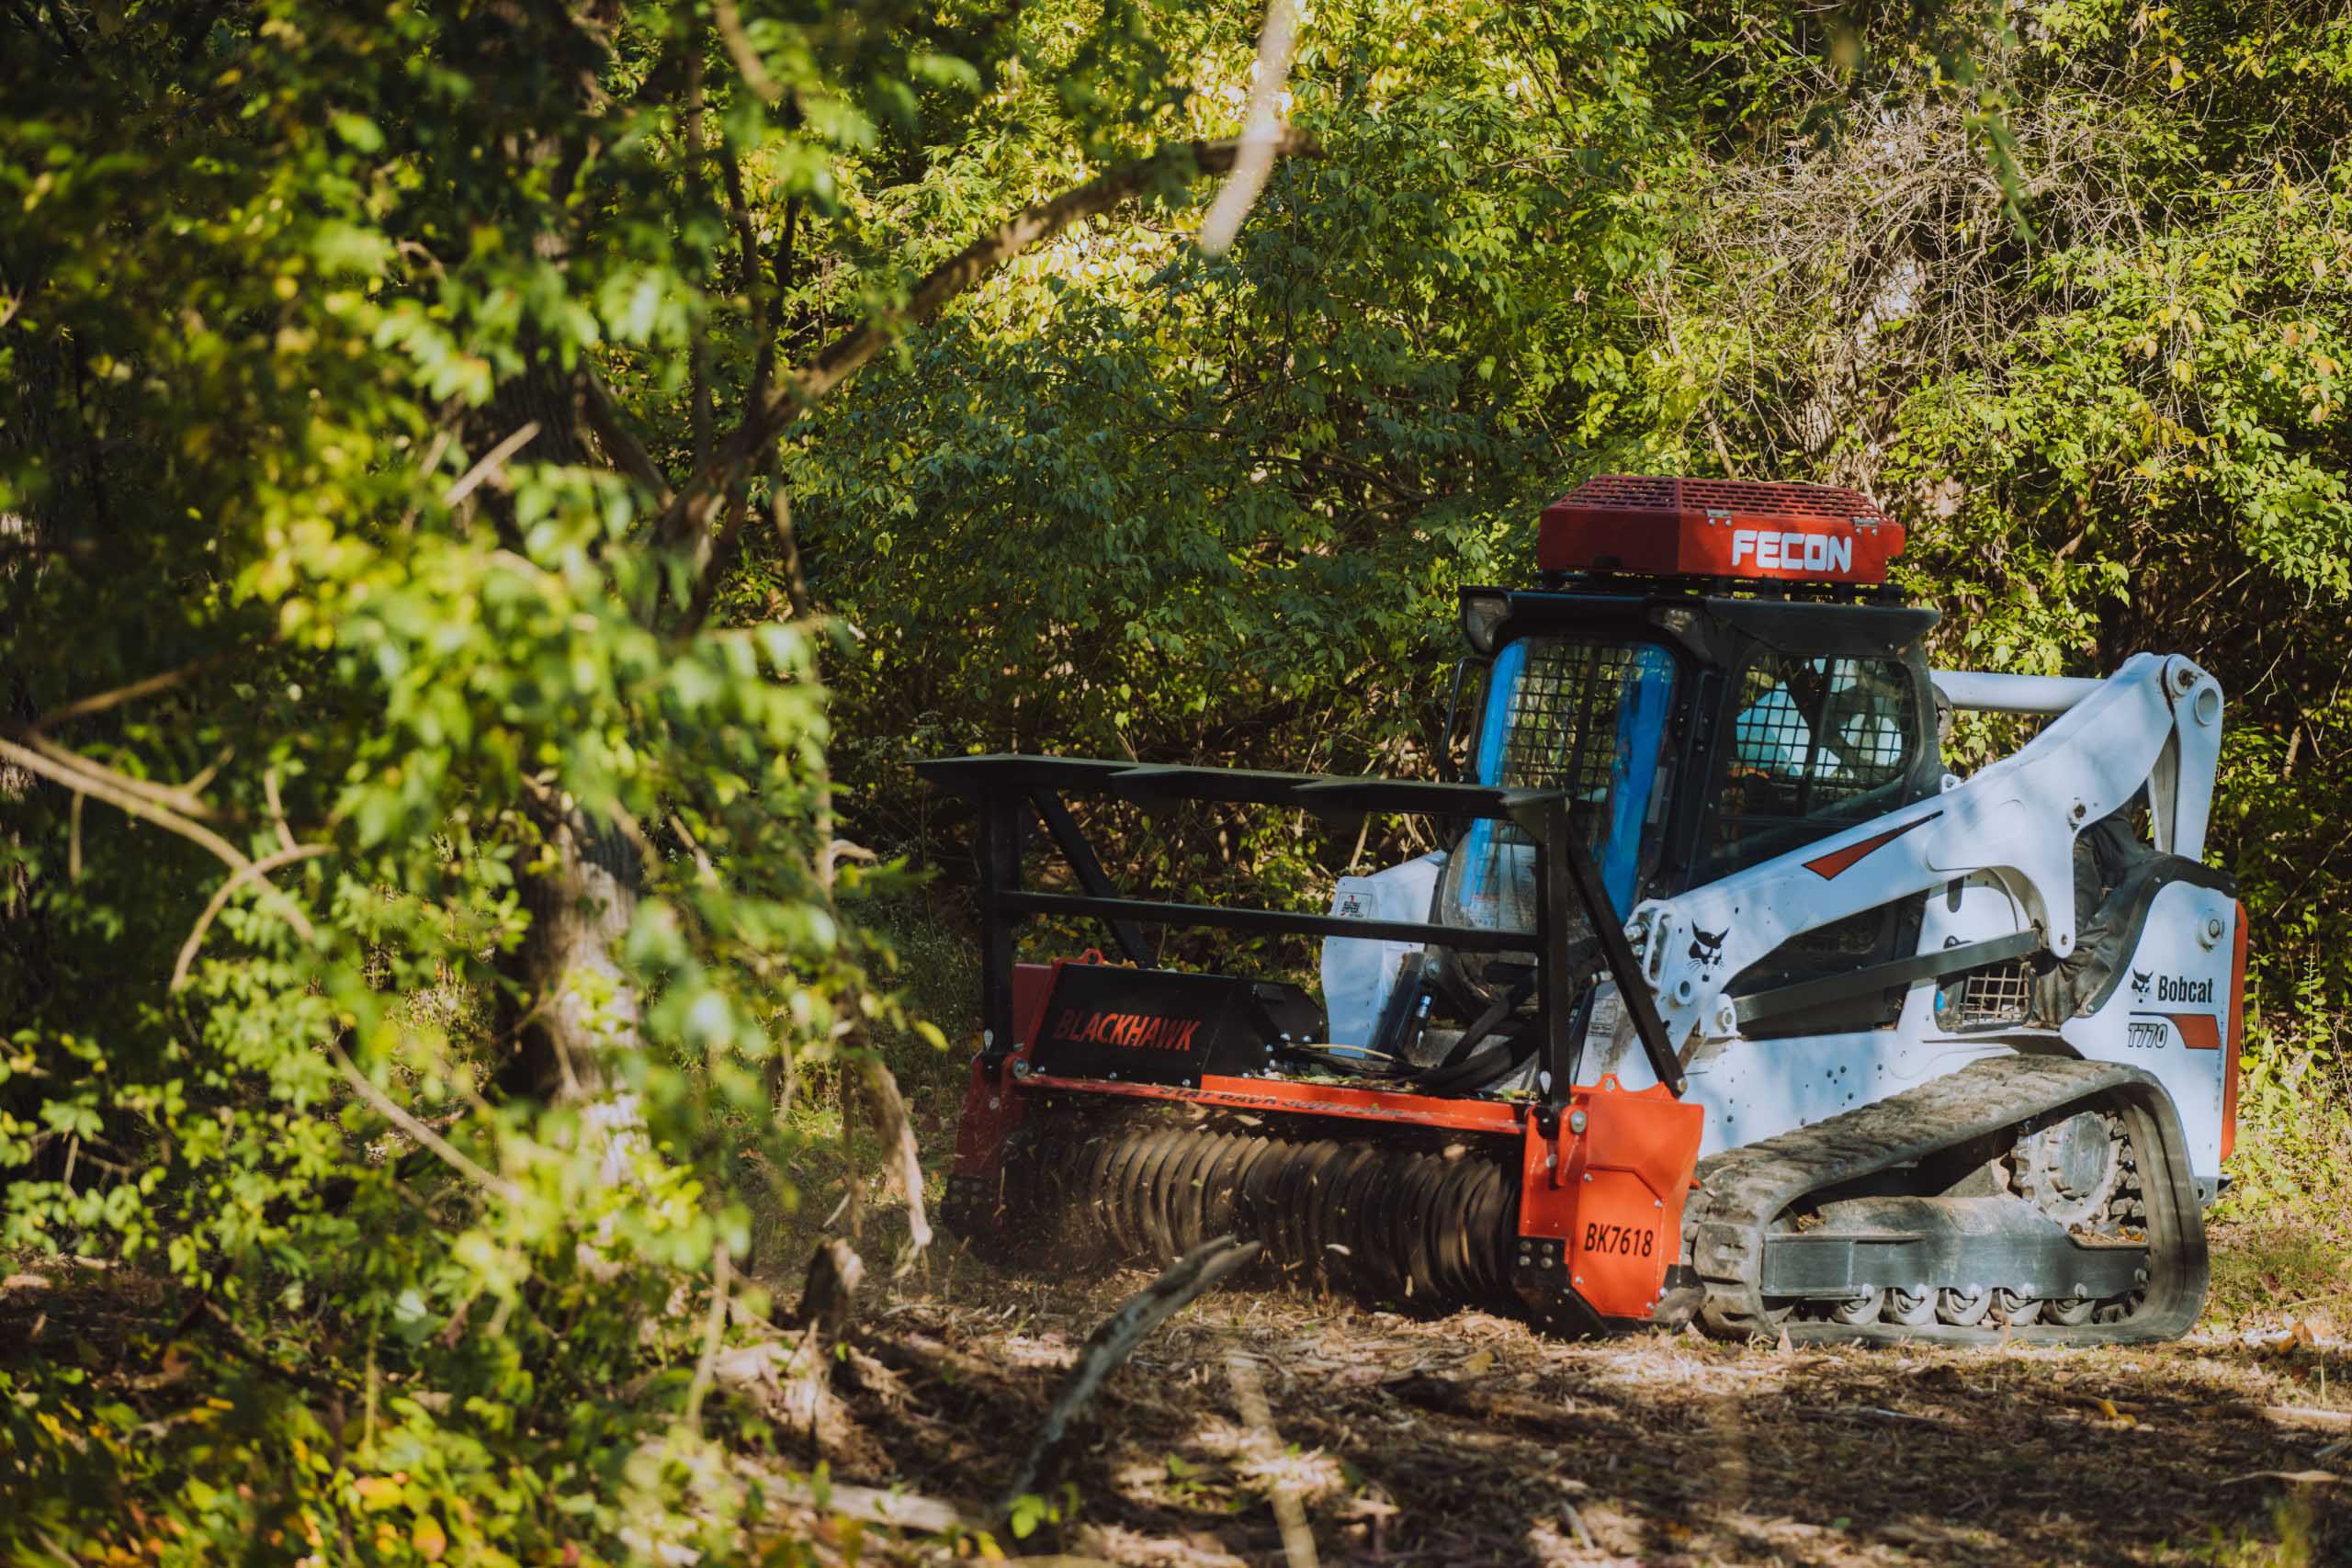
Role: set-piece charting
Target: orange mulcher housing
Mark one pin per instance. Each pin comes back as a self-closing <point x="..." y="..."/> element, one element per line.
<point x="1601" y="1173"/>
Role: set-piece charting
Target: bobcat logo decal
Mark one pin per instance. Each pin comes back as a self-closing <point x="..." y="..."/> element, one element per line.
<point x="1707" y="946"/>
<point x="2142" y="981"/>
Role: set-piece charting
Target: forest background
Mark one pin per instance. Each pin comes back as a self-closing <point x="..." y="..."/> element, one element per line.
<point x="493" y="497"/>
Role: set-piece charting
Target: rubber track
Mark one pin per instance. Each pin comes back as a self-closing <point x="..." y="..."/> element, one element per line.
<point x="1742" y="1190"/>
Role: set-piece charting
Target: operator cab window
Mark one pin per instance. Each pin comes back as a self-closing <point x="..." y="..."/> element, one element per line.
<point x="1591" y="720"/>
<point x="1816" y="744"/>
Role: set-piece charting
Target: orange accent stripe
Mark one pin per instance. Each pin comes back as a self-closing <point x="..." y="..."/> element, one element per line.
<point x="2198" y="1031"/>
<point x="2237" y="1040"/>
<point x="1328" y="1100"/>
<point x="1837" y="862"/>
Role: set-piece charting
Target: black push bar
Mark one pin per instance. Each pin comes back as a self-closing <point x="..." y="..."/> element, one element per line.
<point x="1006" y="788"/>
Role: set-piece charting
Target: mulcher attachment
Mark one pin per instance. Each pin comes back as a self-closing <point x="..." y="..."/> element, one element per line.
<point x="1430" y="1221"/>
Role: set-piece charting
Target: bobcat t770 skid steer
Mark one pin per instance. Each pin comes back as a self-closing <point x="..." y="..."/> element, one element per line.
<point x="1725" y="1002"/>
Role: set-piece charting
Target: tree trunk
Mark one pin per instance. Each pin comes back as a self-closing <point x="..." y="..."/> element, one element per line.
<point x="576" y="1005"/>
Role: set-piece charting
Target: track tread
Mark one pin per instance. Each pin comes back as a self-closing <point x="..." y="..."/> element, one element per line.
<point x="1742" y="1190"/>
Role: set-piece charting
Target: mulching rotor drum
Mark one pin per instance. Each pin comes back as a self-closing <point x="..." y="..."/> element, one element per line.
<point x="1392" y="1218"/>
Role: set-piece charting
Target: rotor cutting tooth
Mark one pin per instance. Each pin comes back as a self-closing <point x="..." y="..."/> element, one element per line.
<point x="1048" y="1201"/>
<point x="1332" y="1228"/>
<point x="1482" y="1224"/>
<point x="1163" y="1151"/>
<point x="1440" y="1227"/>
<point x="1186" y="1173"/>
<point x="1222" y="1205"/>
<point x="1319" y="1170"/>
<point x="1184" y="1203"/>
<point x="1156" y="1177"/>
<point x="1089" y="1208"/>
<point x="1380" y="1255"/>
<point x="1345" y="1206"/>
<point x="1963" y="1308"/>
<point x="1114" y="1206"/>
<point x="1422" y="1177"/>
<point x="1256" y="1196"/>
<point x="1457" y="1266"/>
<point x="2015" y="1308"/>
<point x="1294" y="1191"/>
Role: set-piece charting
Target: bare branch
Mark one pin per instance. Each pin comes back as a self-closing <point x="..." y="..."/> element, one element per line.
<point x="698" y="408"/>
<point x="713" y="1333"/>
<point x="746" y="58"/>
<point x="490" y="464"/>
<point x="455" y="1158"/>
<point x="171" y="797"/>
<point x="739" y="210"/>
<point x="722" y="551"/>
<point x="703" y="868"/>
<point x="903" y="1160"/>
<point x="133" y="691"/>
<point x="796" y="585"/>
<point x="256" y="872"/>
<point x="276" y="807"/>
<point x="1261" y="130"/>
<point x="107" y="785"/>
<point x="1201" y="1269"/>
<point x="621" y="445"/>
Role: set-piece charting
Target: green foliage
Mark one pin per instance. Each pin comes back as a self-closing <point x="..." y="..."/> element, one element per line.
<point x="282" y="286"/>
<point x="295" y="306"/>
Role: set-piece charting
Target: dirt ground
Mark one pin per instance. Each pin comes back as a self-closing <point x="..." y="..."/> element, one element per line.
<point x="1470" y="1439"/>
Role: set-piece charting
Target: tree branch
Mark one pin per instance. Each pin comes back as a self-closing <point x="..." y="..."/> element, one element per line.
<point x="738" y="210"/>
<point x="177" y="801"/>
<point x="621" y="443"/>
<point x="689" y="522"/>
<point x="698" y="407"/>
<point x="258" y="870"/>
<point x="1263" y="130"/>
<point x="107" y="785"/>
<point x="492" y="462"/>
<point x="747" y="59"/>
<point x="132" y="693"/>
<point x="455" y="1158"/>
<point x="787" y="539"/>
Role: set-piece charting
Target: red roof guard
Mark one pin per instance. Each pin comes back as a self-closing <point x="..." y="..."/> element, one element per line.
<point x="1739" y="528"/>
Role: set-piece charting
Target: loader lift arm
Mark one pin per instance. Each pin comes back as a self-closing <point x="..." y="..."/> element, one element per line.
<point x="1006" y="789"/>
<point x="2157" y="721"/>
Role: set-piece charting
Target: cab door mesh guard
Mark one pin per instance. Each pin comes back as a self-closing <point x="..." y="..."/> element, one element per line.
<point x="1006" y="789"/>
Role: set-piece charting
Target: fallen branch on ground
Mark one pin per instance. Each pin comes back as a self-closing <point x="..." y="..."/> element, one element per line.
<point x="828" y="1291"/>
<point x="901" y="1510"/>
<point x="1199" y="1270"/>
<point x="1290" y="1515"/>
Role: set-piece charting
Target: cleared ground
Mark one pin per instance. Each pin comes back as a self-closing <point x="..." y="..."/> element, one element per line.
<point x="1470" y="1439"/>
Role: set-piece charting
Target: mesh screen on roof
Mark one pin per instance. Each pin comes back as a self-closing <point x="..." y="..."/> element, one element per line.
<point x="1633" y="492"/>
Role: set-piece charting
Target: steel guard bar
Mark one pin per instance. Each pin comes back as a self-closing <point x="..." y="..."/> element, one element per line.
<point x="1007" y="789"/>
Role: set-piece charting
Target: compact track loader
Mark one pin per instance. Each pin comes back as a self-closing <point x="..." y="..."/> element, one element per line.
<point x="1724" y="1002"/>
